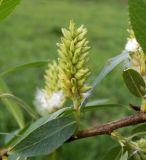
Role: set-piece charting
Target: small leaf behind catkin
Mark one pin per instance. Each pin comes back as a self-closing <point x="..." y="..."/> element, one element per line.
<point x="134" y="82"/>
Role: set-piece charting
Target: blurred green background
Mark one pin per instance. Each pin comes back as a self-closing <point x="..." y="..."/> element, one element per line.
<point x="31" y="33"/>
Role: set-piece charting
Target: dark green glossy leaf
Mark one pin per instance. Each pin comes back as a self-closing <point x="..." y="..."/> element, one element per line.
<point x="46" y="138"/>
<point x="134" y="82"/>
<point x="137" y="13"/>
<point x="6" y="7"/>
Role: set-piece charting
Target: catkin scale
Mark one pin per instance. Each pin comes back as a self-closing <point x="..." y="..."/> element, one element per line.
<point x="51" y="78"/>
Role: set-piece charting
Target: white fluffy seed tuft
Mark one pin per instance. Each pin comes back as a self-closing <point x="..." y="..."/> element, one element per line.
<point x="132" y="45"/>
<point x="45" y="103"/>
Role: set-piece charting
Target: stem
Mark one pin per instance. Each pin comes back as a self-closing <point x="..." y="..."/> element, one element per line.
<point x="77" y="108"/>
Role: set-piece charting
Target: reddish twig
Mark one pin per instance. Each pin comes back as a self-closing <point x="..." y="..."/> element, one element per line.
<point x="108" y="128"/>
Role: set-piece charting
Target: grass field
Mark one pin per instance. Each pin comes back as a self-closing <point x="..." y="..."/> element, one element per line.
<point x="31" y="33"/>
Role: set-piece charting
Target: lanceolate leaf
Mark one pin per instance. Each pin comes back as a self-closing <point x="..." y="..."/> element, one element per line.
<point x="15" y="157"/>
<point x="12" y="138"/>
<point x="41" y="121"/>
<point x="102" y="106"/>
<point x="24" y="66"/>
<point x="137" y="12"/>
<point x="45" y="139"/>
<point x="21" y="103"/>
<point x="12" y="107"/>
<point x="6" y="7"/>
<point x="97" y="102"/>
<point x="134" y="82"/>
<point x="109" y="66"/>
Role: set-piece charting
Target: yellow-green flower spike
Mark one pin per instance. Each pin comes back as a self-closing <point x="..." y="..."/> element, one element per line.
<point x="51" y="78"/>
<point x="73" y="56"/>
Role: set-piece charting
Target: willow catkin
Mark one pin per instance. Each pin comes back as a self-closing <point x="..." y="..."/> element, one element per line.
<point x="51" y="97"/>
<point x="73" y="56"/>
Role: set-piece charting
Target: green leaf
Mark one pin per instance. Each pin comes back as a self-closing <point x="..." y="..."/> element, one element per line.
<point x="12" y="107"/>
<point x="45" y="139"/>
<point x="21" y="103"/>
<point x="97" y="102"/>
<point x="124" y="156"/>
<point x="113" y="154"/>
<point x="139" y="128"/>
<point x="4" y="133"/>
<point x="137" y="13"/>
<point x="134" y="82"/>
<point x="24" y="66"/>
<point x="12" y="138"/>
<point x="15" y="157"/>
<point x="109" y="66"/>
<point x="6" y="7"/>
<point x="101" y="106"/>
<point x="42" y="121"/>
